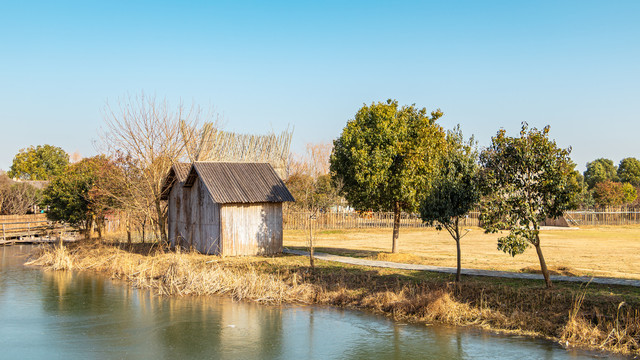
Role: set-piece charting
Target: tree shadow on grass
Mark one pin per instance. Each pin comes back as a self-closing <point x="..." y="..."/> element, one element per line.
<point x="355" y="253"/>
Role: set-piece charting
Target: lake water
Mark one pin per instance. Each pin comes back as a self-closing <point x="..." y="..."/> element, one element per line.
<point x="67" y="315"/>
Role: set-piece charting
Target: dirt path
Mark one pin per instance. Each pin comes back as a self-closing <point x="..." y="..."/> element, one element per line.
<point x="469" y="272"/>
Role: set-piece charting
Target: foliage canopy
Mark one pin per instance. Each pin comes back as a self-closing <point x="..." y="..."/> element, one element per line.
<point x="455" y="191"/>
<point x="629" y="171"/>
<point x="609" y="193"/>
<point x="42" y="162"/>
<point x="77" y="196"/>
<point x="386" y="156"/>
<point x="600" y="170"/>
<point x="526" y="180"/>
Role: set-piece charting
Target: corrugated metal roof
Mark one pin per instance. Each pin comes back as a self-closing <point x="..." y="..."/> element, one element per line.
<point x="240" y="182"/>
<point x="182" y="171"/>
<point x="179" y="173"/>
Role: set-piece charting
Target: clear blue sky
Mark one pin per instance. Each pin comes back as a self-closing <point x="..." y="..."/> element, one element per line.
<point x="264" y="65"/>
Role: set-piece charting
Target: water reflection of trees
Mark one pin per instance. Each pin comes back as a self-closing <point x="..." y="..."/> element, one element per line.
<point x="66" y="292"/>
<point x="112" y="317"/>
<point x="210" y="327"/>
<point x="98" y="316"/>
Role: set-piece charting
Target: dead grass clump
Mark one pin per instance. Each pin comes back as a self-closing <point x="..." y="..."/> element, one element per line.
<point x="58" y="258"/>
<point x="425" y="304"/>
<point x="176" y="274"/>
<point x="581" y="332"/>
<point x="621" y="335"/>
<point x="443" y="308"/>
<point x="383" y="301"/>
<point x="624" y="333"/>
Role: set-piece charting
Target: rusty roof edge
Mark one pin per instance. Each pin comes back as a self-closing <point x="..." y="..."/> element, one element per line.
<point x="188" y="182"/>
<point x="167" y="184"/>
<point x="241" y="196"/>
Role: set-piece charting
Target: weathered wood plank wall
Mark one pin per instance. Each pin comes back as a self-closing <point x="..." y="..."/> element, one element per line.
<point x="173" y="215"/>
<point x="251" y="229"/>
<point x="201" y="220"/>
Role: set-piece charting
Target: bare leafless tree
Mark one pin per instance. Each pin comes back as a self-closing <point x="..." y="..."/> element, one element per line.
<point x="146" y="131"/>
<point x="311" y="185"/>
<point x="210" y="143"/>
<point x="17" y="198"/>
<point x="145" y="136"/>
<point x="5" y="184"/>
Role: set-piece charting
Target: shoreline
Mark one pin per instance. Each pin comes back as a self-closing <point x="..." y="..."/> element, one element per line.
<point x="593" y="318"/>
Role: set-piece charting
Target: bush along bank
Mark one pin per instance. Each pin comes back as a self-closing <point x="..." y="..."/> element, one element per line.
<point x="593" y="317"/>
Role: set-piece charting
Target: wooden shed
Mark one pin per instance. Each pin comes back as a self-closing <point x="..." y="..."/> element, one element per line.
<point x="173" y="189"/>
<point x="226" y="208"/>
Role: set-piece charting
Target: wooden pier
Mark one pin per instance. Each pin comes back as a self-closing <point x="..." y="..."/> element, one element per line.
<point x="32" y="229"/>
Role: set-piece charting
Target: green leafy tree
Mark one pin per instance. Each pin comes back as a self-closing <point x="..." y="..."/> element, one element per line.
<point x="600" y="170"/>
<point x="609" y="193"/>
<point x="629" y="171"/>
<point x="526" y="180"/>
<point x="42" y="162"/>
<point x="66" y="198"/>
<point x="385" y="156"/>
<point x="585" y="196"/>
<point x="629" y="194"/>
<point x="455" y="191"/>
<point x="78" y="198"/>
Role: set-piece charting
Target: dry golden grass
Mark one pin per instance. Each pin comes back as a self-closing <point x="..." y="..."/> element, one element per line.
<point x="578" y="317"/>
<point x="597" y="251"/>
<point x="173" y="273"/>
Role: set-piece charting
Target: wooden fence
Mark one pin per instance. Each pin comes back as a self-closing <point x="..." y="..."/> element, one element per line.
<point x="595" y="218"/>
<point x="370" y="220"/>
<point x="365" y="220"/>
<point x="19" y="226"/>
<point x="16" y="226"/>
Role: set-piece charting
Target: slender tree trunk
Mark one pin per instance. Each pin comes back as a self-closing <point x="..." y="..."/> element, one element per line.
<point x="396" y="226"/>
<point x="311" y="258"/>
<point x="161" y="223"/>
<point x="99" y="227"/>
<point x="144" y="223"/>
<point x="459" y="255"/>
<point x="459" y="269"/>
<point x="87" y="229"/>
<point x="543" y="264"/>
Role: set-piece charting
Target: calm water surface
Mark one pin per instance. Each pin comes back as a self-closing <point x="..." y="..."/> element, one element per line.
<point x="65" y="315"/>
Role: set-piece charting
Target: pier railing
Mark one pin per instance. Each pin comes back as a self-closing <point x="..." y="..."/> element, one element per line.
<point x="14" y="227"/>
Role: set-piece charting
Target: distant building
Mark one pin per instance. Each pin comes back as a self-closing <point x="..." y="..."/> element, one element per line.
<point x="226" y="208"/>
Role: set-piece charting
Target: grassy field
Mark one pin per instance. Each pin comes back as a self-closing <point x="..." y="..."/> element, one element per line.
<point x="598" y="251"/>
